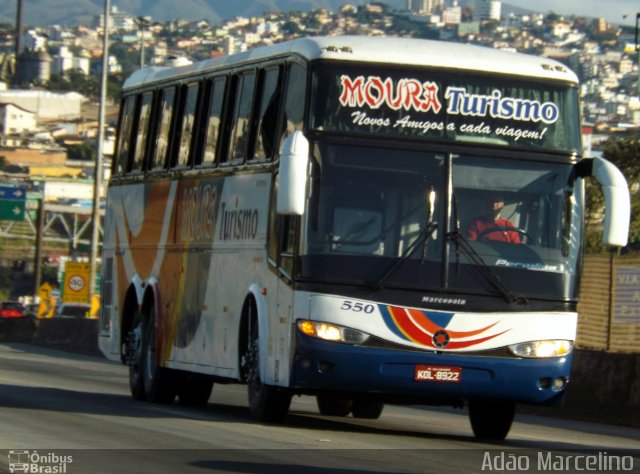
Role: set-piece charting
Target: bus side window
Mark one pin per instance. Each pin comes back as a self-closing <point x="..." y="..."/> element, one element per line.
<point x="272" y="238"/>
<point x="121" y="163"/>
<point x="268" y="114"/>
<point x="144" y="112"/>
<point x="185" y="122"/>
<point x="241" y="118"/>
<point x="214" y="122"/>
<point x="294" y="102"/>
<point x="163" y="129"/>
<point x="287" y="243"/>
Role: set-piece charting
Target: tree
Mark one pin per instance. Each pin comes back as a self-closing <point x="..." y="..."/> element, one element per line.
<point x="624" y="152"/>
<point x="128" y="58"/>
<point x="6" y="283"/>
<point x="85" y="151"/>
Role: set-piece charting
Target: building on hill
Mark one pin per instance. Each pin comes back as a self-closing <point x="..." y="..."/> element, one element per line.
<point x="57" y="171"/>
<point x="33" y="66"/>
<point x="29" y="156"/>
<point x="487" y="10"/>
<point x="65" y="61"/>
<point x="15" y="120"/>
<point x="424" y="7"/>
<point x="45" y="104"/>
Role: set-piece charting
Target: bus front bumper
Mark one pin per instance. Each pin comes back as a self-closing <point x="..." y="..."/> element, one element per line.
<point x="426" y="377"/>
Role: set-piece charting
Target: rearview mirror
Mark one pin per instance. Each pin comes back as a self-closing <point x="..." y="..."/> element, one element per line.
<point x="617" y="202"/>
<point x="292" y="186"/>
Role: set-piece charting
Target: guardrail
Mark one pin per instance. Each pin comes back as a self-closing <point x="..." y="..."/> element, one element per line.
<point x="77" y="335"/>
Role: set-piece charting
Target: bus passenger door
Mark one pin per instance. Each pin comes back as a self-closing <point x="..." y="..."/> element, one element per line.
<point x="281" y="250"/>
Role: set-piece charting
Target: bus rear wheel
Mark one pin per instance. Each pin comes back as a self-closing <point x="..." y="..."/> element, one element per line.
<point x="158" y="382"/>
<point x="194" y="390"/>
<point x="491" y="420"/>
<point x="134" y="355"/>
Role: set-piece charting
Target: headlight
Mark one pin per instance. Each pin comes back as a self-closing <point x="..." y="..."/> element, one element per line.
<point x="553" y="348"/>
<point x="332" y="332"/>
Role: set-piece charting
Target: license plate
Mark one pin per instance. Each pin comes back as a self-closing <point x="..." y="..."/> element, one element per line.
<point x="430" y="373"/>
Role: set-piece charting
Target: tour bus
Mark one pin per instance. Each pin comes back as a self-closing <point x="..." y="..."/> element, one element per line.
<point x="296" y="218"/>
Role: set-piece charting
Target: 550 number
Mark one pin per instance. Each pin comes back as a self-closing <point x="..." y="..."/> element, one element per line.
<point x="357" y="307"/>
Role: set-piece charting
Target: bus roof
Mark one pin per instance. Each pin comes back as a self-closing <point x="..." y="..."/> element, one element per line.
<point x="376" y="49"/>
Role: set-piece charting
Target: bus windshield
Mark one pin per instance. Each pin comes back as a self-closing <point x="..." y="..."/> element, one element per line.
<point x="445" y="106"/>
<point x="371" y="206"/>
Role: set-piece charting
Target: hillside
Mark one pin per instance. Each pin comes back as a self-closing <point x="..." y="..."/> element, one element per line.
<point x="72" y="12"/>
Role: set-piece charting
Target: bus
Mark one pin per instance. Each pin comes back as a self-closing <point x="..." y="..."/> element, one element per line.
<point x="296" y="218"/>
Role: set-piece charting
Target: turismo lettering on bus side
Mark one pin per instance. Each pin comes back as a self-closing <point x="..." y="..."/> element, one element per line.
<point x="238" y="224"/>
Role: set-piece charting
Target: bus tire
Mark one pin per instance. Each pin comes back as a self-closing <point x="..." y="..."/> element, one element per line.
<point x="366" y="409"/>
<point x="329" y="405"/>
<point x="194" y="390"/>
<point x="135" y="343"/>
<point x="491" y="420"/>
<point x="159" y="384"/>
<point x="267" y="403"/>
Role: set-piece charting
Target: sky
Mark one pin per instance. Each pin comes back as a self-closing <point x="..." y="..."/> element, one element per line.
<point x="612" y="10"/>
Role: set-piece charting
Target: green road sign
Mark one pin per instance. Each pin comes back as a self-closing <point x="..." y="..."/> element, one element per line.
<point x="11" y="210"/>
<point x="12" y="203"/>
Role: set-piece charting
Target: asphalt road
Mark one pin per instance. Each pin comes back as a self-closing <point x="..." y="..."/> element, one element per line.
<point x="63" y="412"/>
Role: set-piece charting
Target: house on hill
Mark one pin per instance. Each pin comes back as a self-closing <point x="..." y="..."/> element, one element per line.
<point x="15" y="120"/>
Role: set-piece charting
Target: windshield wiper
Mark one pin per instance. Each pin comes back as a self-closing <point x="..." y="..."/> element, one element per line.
<point x="488" y="274"/>
<point x="420" y="240"/>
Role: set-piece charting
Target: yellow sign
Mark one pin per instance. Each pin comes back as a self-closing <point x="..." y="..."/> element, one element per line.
<point x="47" y="301"/>
<point x="76" y="282"/>
<point x="94" y="313"/>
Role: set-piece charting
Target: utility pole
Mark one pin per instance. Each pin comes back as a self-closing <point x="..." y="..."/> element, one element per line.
<point x="638" y="43"/>
<point x="19" y="29"/>
<point x="143" y="22"/>
<point x="37" y="270"/>
<point x="97" y="178"/>
<point x="19" y="45"/>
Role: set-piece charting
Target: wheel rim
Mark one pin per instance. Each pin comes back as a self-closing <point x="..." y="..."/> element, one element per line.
<point x="135" y="359"/>
<point x="253" y="369"/>
<point x="149" y="355"/>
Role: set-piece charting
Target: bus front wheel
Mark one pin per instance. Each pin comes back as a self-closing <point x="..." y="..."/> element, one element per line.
<point x="491" y="420"/>
<point x="329" y="405"/>
<point x="366" y="409"/>
<point x="267" y="403"/>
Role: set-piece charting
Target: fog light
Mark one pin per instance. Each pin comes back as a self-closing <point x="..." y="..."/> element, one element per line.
<point x="305" y="363"/>
<point x="544" y="383"/>
<point x="324" y="366"/>
<point x="559" y="383"/>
